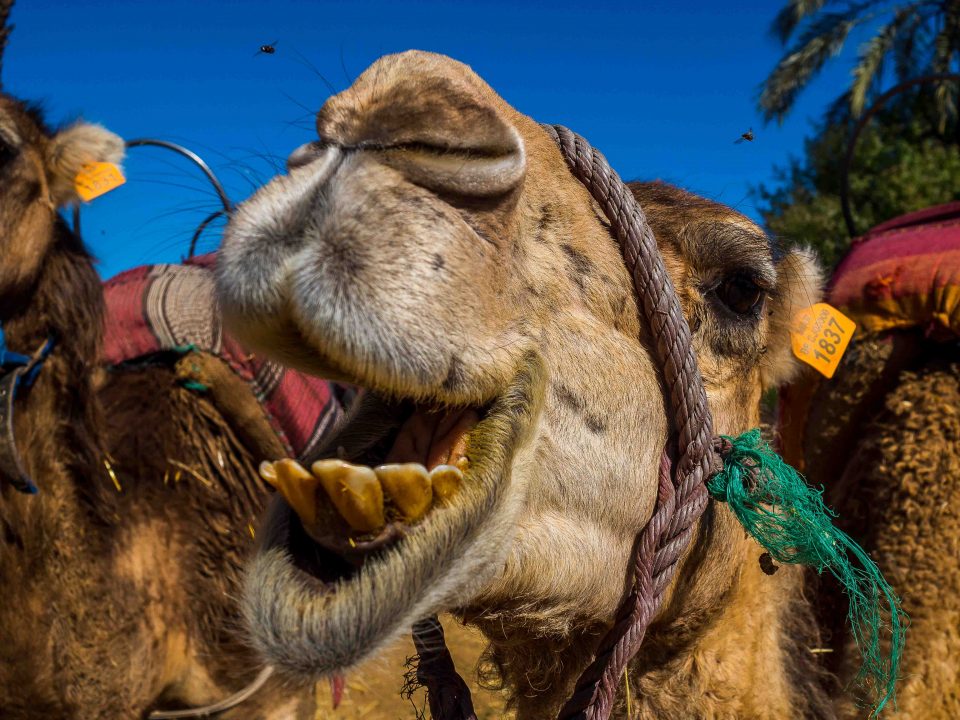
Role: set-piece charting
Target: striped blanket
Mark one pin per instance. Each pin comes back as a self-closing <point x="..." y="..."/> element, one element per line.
<point x="157" y="308"/>
<point x="904" y="273"/>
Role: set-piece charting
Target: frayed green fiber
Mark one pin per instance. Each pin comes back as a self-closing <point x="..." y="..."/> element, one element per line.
<point x="789" y="519"/>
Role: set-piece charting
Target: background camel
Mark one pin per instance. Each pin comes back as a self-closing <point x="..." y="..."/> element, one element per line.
<point x="432" y="247"/>
<point x="883" y="437"/>
<point x="120" y="585"/>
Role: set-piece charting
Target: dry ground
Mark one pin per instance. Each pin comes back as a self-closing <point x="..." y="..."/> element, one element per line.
<point x="373" y="691"/>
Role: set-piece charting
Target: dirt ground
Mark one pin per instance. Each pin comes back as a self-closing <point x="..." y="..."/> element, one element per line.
<point x="372" y="691"/>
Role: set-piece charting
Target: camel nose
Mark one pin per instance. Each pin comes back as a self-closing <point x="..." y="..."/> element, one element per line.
<point x="426" y="117"/>
<point x="305" y="154"/>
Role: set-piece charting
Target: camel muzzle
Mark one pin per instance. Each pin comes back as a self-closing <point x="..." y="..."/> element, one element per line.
<point x="319" y="604"/>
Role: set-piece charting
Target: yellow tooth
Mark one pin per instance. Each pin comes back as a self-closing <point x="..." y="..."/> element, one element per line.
<point x="446" y="481"/>
<point x="297" y="485"/>
<point x="269" y="473"/>
<point x="355" y="492"/>
<point x="408" y="485"/>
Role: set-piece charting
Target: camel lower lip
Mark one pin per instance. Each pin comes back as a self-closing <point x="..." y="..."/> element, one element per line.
<point x="334" y="556"/>
<point x="314" y="612"/>
<point x="355" y="505"/>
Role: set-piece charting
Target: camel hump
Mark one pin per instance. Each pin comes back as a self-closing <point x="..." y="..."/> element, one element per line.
<point x="904" y="274"/>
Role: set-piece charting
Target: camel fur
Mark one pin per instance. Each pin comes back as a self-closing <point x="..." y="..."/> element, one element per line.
<point x="431" y="246"/>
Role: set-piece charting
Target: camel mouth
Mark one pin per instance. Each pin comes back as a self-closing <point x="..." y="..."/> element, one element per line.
<point x="369" y="497"/>
<point x="409" y="516"/>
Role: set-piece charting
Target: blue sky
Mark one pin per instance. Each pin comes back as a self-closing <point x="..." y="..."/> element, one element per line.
<point x="662" y="88"/>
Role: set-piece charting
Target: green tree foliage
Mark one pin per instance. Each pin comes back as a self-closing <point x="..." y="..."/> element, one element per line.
<point x="901" y="165"/>
<point x="918" y="38"/>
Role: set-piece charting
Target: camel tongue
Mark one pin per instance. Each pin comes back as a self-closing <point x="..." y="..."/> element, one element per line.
<point x="434" y="438"/>
<point x="336" y="689"/>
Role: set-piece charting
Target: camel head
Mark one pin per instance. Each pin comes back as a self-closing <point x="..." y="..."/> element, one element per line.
<point x="432" y="247"/>
<point x="38" y="167"/>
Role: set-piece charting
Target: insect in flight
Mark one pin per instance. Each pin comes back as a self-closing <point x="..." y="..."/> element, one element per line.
<point x="748" y="136"/>
<point x="267" y="49"/>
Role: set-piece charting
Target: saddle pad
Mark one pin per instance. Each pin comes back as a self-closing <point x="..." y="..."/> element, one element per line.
<point x="904" y="273"/>
<point x="157" y="308"/>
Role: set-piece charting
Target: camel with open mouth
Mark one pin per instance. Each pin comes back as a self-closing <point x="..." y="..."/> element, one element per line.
<point x="432" y="247"/>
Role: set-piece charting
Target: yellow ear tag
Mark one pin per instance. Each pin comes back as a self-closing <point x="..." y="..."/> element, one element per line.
<point x="820" y="335"/>
<point x="95" y="179"/>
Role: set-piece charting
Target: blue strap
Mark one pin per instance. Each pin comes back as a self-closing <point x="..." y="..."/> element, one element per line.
<point x="8" y="358"/>
<point x="16" y="370"/>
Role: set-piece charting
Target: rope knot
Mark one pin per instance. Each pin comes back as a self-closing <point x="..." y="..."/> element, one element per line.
<point x="789" y="519"/>
<point x="722" y="447"/>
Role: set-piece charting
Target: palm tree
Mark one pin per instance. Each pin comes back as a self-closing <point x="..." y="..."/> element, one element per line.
<point x="921" y="37"/>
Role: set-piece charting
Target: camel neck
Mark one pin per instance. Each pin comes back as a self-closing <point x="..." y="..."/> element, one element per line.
<point x="724" y="624"/>
<point x="65" y="302"/>
<point x="60" y="408"/>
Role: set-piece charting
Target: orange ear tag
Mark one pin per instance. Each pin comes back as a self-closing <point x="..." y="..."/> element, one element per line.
<point x="820" y="335"/>
<point x="95" y="179"/>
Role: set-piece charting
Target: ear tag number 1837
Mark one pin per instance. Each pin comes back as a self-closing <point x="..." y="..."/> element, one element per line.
<point x="820" y="335"/>
<point x="97" y="178"/>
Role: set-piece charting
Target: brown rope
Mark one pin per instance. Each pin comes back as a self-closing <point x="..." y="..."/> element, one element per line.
<point x="447" y="694"/>
<point x="681" y="499"/>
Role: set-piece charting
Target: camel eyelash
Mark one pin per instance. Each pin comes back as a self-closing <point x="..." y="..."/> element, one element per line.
<point x="739" y="296"/>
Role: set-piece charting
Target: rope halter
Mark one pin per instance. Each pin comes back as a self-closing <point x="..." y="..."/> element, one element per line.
<point x="769" y="498"/>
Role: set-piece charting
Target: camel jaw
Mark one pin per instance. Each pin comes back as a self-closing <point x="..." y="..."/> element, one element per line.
<point x="314" y="612"/>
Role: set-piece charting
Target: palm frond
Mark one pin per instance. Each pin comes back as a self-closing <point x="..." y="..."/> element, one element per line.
<point x="790" y="17"/>
<point x="946" y="46"/>
<point x="872" y="53"/>
<point x="823" y="39"/>
<point x="5" y="26"/>
<point x="906" y="46"/>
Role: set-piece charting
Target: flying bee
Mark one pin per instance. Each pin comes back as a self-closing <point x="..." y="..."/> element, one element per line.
<point x="267" y="49"/>
<point x="748" y="136"/>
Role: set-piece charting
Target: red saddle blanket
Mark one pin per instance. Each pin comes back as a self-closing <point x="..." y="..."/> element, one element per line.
<point x="904" y="273"/>
<point x="156" y="308"/>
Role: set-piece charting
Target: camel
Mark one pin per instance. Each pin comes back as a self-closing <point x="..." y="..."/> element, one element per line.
<point x="432" y="247"/>
<point x="120" y="588"/>
<point x="883" y="437"/>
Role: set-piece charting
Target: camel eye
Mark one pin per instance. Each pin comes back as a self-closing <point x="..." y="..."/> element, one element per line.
<point x="740" y="294"/>
<point x="7" y="153"/>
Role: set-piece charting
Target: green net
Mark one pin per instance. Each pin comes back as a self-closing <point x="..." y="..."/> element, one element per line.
<point x="789" y="519"/>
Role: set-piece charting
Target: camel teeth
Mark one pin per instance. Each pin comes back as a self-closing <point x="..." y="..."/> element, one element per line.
<point x="354" y="491"/>
<point x="408" y="485"/>
<point x="296" y="484"/>
<point x="446" y="481"/>
<point x="269" y="473"/>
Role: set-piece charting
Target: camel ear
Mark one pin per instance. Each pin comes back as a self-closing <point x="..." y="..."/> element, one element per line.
<point x="71" y="149"/>
<point x="799" y="285"/>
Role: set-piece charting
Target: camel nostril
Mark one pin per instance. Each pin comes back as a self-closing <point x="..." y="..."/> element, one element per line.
<point x="305" y="154"/>
<point x="480" y="172"/>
